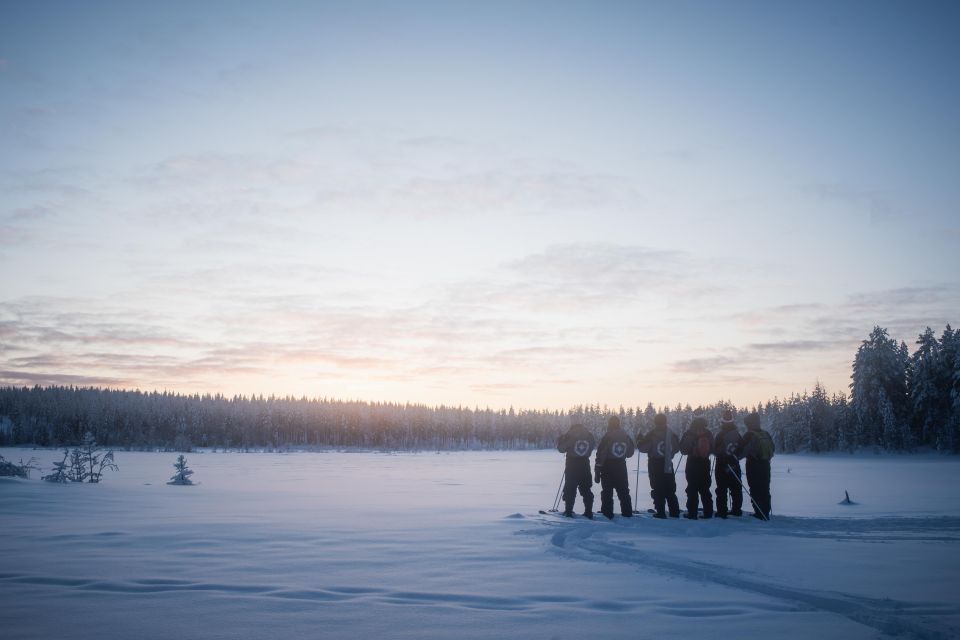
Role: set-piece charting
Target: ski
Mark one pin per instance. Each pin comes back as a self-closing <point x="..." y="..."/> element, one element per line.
<point x="559" y="514"/>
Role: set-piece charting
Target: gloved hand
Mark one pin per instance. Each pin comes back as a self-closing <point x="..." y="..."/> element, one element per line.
<point x="596" y="475"/>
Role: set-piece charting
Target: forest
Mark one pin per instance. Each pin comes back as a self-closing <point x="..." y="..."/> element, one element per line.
<point x="898" y="401"/>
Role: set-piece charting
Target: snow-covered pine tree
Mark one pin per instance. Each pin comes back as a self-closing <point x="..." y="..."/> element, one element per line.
<point x="950" y="358"/>
<point x="844" y="422"/>
<point x="822" y="435"/>
<point x="60" y="472"/>
<point x="928" y="381"/>
<point x="182" y="476"/>
<point x="879" y="392"/>
<point x="954" y="420"/>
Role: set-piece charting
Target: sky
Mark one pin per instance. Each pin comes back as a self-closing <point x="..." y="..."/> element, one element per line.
<point x="527" y="204"/>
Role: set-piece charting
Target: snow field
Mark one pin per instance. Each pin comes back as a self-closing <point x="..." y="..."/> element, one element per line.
<point x="427" y="545"/>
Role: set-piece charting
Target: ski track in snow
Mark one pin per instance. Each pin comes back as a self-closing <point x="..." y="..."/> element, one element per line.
<point x="370" y="595"/>
<point x="584" y="540"/>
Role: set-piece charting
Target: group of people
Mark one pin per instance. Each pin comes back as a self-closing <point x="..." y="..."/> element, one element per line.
<point x="661" y="444"/>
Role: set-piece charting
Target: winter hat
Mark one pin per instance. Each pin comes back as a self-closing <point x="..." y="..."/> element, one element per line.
<point x="727" y="417"/>
<point x="659" y="420"/>
<point x="699" y="423"/>
<point x="752" y="421"/>
<point x="613" y="422"/>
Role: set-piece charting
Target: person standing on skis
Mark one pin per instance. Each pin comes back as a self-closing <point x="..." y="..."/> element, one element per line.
<point x="611" y="468"/>
<point x="757" y="447"/>
<point x="726" y="448"/>
<point x="578" y="444"/>
<point x="697" y="445"/>
<point x="660" y="444"/>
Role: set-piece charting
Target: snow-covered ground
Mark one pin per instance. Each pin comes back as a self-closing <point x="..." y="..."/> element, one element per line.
<point x="451" y="545"/>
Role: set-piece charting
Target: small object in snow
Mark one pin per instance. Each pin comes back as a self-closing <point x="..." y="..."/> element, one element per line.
<point x="847" y="499"/>
<point x="515" y="516"/>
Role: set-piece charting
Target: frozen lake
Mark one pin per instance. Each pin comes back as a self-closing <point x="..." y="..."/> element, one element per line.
<point x="451" y="545"/>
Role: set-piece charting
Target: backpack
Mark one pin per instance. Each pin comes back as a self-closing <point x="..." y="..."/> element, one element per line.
<point x="703" y="445"/>
<point x="764" y="446"/>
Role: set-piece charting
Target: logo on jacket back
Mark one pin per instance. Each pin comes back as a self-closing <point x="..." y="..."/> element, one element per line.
<point x="731" y="449"/>
<point x="618" y="450"/>
<point x="582" y="448"/>
<point x="660" y="453"/>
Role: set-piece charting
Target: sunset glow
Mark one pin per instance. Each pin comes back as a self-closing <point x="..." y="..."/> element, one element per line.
<point x="494" y="204"/>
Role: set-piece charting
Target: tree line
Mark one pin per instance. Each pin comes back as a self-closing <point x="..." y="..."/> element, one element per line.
<point x="898" y="401"/>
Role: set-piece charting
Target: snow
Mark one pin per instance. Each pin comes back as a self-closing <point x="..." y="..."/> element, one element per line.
<point x="444" y="545"/>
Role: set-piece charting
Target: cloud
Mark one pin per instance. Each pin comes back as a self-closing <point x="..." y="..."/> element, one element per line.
<point x="589" y="277"/>
<point x="23" y="378"/>
<point x="215" y="172"/>
<point x="609" y="268"/>
<point x="830" y="333"/>
<point x="878" y="203"/>
<point x="433" y="143"/>
<point x="31" y="214"/>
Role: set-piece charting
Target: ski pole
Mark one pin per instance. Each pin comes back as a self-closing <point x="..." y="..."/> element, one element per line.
<point x="556" y="501"/>
<point x="636" y="485"/>
<point x="759" y="510"/>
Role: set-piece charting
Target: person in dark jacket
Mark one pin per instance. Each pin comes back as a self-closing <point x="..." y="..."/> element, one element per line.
<point x="697" y="445"/>
<point x="757" y="448"/>
<point x="726" y="448"/>
<point x="611" y="468"/>
<point x="578" y="444"/>
<point x="660" y="444"/>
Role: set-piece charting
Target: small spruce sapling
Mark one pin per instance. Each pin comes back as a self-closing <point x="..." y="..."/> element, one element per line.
<point x="182" y="476"/>
<point x="60" y="472"/>
<point x="78" y="467"/>
<point x="95" y="464"/>
<point x="15" y="470"/>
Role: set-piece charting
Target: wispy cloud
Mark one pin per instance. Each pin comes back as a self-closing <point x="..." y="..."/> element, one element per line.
<point x="880" y="204"/>
<point x="22" y="378"/>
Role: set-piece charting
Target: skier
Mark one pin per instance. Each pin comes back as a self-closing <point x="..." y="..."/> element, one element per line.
<point x="611" y="468"/>
<point x="757" y="447"/>
<point x="660" y="444"/>
<point x="727" y="473"/>
<point x="697" y="444"/>
<point x="578" y="444"/>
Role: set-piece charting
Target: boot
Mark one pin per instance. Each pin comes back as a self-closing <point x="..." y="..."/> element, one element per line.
<point x="691" y="515"/>
<point x="588" y="515"/>
<point x="660" y="515"/>
<point x="568" y="514"/>
<point x="674" y="506"/>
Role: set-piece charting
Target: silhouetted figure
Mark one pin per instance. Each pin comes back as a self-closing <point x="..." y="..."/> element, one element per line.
<point x="578" y="444"/>
<point x="726" y="448"/>
<point x="611" y="468"/>
<point x="697" y="445"/>
<point x="660" y="444"/>
<point x="757" y="447"/>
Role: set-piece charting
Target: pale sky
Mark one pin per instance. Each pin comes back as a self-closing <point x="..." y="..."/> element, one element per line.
<point x="528" y="204"/>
